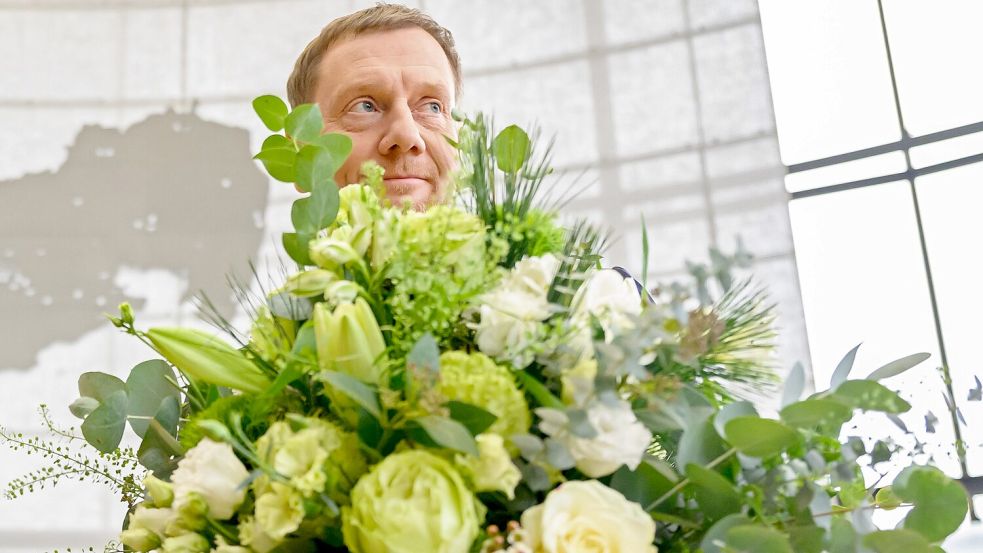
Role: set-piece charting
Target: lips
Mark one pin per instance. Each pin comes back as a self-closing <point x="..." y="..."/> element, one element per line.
<point x="405" y="184"/>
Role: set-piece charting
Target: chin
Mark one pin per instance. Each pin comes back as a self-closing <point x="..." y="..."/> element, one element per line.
<point x="420" y="197"/>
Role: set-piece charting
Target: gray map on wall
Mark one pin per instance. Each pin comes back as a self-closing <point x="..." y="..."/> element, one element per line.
<point x="173" y="193"/>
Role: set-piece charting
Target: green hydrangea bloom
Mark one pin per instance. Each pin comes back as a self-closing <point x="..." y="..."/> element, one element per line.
<point x="476" y="379"/>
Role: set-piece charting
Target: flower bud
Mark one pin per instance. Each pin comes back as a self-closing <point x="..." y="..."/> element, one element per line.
<point x="186" y="543"/>
<point x="161" y="493"/>
<point x="349" y="340"/>
<point x="201" y="356"/>
<point x="191" y="515"/>
<point x="341" y="291"/>
<point x="331" y="253"/>
<point x="311" y="282"/>
<point x="140" y="539"/>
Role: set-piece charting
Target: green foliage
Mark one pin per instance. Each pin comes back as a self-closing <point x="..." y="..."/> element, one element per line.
<point x="940" y="504"/>
<point x="449" y="433"/>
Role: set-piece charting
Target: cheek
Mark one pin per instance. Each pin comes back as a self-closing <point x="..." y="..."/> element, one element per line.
<point x="362" y="151"/>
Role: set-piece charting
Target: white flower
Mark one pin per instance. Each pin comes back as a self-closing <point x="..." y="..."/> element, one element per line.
<point x="493" y="469"/>
<point x="534" y="274"/>
<point x="212" y="470"/>
<point x="610" y="297"/>
<point x="620" y="439"/>
<point x="588" y="516"/>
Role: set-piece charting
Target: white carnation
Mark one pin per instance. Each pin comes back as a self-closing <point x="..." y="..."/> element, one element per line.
<point x="621" y="439"/>
<point x="609" y="297"/>
<point x="212" y="470"/>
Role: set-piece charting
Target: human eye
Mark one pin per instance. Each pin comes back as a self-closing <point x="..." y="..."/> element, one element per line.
<point x="364" y="106"/>
<point x="433" y="107"/>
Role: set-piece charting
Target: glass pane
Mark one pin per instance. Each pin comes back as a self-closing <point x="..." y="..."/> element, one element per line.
<point x="862" y="280"/>
<point x="950" y="203"/>
<point x="884" y="164"/>
<point x="829" y="77"/>
<point x="936" y="48"/>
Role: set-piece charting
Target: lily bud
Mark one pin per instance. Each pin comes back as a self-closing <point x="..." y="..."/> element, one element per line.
<point x="139" y="539"/>
<point x="201" y="356"/>
<point x="349" y="340"/>
<point x="311" y="282"/>
<point x="331" y="253"/>
<point x="341" y="291"/>
<point x="161" y="493"/>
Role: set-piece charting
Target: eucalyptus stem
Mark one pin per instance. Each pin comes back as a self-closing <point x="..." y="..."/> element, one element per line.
<point x="682" y="483"/>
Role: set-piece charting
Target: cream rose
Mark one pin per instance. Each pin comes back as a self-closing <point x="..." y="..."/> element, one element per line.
<point x="611" y="298"/>
<point x="212" y="470"/>
<point x="588" y="517"/>
<point x="621" y="439"/>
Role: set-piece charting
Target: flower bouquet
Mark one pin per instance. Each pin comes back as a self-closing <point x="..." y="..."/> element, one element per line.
<point x="468" y="379"/>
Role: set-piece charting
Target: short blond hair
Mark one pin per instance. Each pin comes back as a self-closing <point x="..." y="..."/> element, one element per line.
<point x="382" y="17"/>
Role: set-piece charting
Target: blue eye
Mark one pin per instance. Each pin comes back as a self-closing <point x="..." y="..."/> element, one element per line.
<point x="364" y="106"/>
<point x="434" y="107"/>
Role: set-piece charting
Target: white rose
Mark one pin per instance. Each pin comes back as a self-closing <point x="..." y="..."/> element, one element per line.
<point x="588" y="516"/>
<point x="610" y="297"/>
<point x="620" y="439"/>
<point x="534" y="274"/>
<point x="509" y="320"/>
<point x="212" y="470"/>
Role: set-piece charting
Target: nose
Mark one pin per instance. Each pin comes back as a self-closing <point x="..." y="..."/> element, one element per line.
<point x="402" y="134"/>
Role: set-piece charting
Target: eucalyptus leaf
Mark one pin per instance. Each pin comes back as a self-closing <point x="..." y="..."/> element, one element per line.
<point x="898" y="366"/>
<point x="315" y="165"/>
<point x="530" y="445"/>
<point x="940" y="503"/>
<point x="272" y="111"/>
<point x="448" y="433"/>
<point x="756" y="539"/>
<point x="149" y="384"/>
<point x="714" y="538"/>
<point x="339" y="145"/>
<point x="757" y="437"/>
<point x="647" y="483"/>
<point x="322" y="209"/>
<point x="300" y="216"/>
<point x="99" y="386"/>
<point x="511" y="147"/>
<point x="355" y="389"/>
<point x="895" y="541"/>
<point x="869" y="396"/>
<point x="297" y="246"/>
<point x="82" y="406"/>
<point x="558" y="455"/>
<point x="699" y="444"/>
<point x="579" y="424"/>
<point x="794" y="385"/>
<point x="103" y="428"/>
<point x="304" y="123"/>
<point x="844" y="367"/>
<point x="825" y="415"/>
<point x="425" y="355"/>
<point x="474" y="418"/>
<point x="279" y="157"/>
<point x="731" y="411"/>
<point x="715" y="495"/>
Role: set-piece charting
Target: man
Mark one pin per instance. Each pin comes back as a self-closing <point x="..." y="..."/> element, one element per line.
<point x="388" y="77"/>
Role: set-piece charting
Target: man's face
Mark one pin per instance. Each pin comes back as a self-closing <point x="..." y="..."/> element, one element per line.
<point x="392" y="93"/>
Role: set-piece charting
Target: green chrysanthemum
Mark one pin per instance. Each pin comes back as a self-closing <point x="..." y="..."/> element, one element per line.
<point x="474" y="378"/>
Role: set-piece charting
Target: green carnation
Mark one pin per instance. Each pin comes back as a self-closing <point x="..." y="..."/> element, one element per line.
<point x="474" y="378"/>
<point x="412" y="501"/>
<point x="314" y="454"/>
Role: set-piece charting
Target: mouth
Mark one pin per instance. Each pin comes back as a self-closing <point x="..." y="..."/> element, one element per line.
<point x="405" y="185"/>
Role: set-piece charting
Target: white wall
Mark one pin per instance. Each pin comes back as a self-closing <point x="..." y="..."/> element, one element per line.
<point x="664" y="102"/>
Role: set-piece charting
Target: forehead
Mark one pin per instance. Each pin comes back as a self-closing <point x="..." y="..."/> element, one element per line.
<point x="410" y="56"/>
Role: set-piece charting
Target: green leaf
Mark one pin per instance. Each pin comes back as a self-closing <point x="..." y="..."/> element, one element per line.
<point x="699" y="444"/>
<point x="448" y="433"/>
<point x="715" y="495"/>
<point x="757" y="437"/>
<point x="99" y="386"/>
<point x="297" y="246"/>
<point x="714" y="537"/>
<point x="794" y="385"/>
<point x="271" y="110"/>
<point x="340" y="146"/>
<point x="474" y="418"/>
<point x="538" y="391"/>
<point x="940" y="502"/>
<point x="898" y="366"/>
<point x="314" y="165"/>
<point x="147" y="386"/>
<point x="844" y="367"/>
<point x="300" y="216"/>
<point x="279" y="158"/>
<point x="806" y="539"/>
<point x="425" y="355"/>
<point x="159" y="445"/>
<point x="842" y="536"/>
<point x="731" y="411"/>
<point x="304" y="123"/>
<point x="756" y="539"/>
<point x="896" y="541"/>
<point x="647" y="483"/>
<point x="511" y="147"/>
<point x="355" y="389"/>
<point x="322" y="209"/>
<point x="305" y="344"/>
<point x="103" y="428"/>
<point x="886" y="499"/>
<point x="287" y="376"/>
<point x="869" y="396"/>
<point x="823" y="414"/>
<point x="82" y="406"/>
